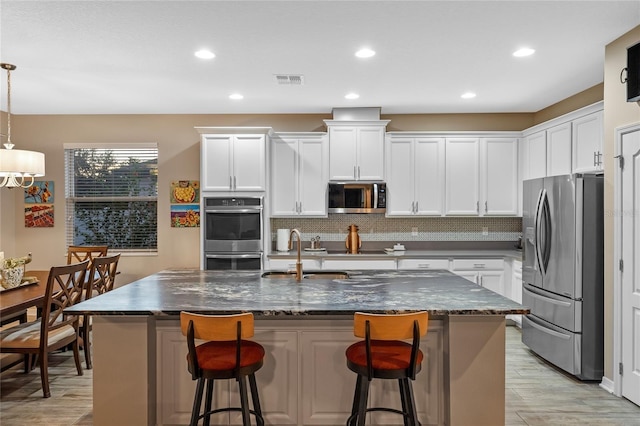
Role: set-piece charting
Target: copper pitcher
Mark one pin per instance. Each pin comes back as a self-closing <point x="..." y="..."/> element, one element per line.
<point x="353" y="242"/>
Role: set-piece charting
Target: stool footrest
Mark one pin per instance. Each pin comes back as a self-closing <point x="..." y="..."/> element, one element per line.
<point x="222" y="410"/>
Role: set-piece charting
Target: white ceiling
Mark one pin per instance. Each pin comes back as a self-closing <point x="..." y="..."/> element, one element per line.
<point x="136" y="57"/>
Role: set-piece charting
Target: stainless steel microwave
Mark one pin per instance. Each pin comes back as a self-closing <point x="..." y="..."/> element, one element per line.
<point x="358" y="197"/>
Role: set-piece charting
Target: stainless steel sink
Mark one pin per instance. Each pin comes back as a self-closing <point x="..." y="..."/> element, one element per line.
<point x="325" y="275"/>
<point x="275" y="274"/>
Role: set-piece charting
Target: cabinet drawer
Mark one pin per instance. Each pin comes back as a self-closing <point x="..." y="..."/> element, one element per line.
<point x="423" y="263"/>
<point x="290" y="264"/>
<point x="347" y="264"/>
<point x="477" y="264"/>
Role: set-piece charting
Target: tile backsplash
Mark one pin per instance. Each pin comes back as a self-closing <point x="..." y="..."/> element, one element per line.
<point x="377" y="227"/>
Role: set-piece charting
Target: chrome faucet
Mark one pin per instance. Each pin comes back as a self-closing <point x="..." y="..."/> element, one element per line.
<point x="298" y="261"/>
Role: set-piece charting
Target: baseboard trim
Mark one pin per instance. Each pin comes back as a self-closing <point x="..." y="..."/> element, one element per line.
<point x="607" y="385"/>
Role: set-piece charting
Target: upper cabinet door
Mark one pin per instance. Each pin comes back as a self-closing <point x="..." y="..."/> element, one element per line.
<point x="313" y="176"/>
<point x="342" y="153"/>
<point x="284" y="163"/>
<point x="536" y="155"/>
<point x="462" y="181"/>
<point x="499" y="172"/>
<point x="370" y="159"/>
<point x="429" y="176"/>
<point x="400" y="177"/>
<point x="587" y="143"/>
<point x="216" y="162"/>
<point x="249" y="163"/>
<point x="559" y="150"/>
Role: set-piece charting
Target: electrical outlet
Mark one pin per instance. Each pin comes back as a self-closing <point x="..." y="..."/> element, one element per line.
<point x="485" y="230"/>
<point x="414" y="232"/>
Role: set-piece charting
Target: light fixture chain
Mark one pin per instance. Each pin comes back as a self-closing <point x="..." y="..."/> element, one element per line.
<point x="9" y="145"/>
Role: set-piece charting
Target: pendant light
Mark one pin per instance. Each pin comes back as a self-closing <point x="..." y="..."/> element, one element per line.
<point x="18" y="168"/>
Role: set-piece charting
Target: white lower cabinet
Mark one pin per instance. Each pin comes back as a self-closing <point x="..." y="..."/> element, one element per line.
<point x="409" y="264"/>
<point x="348" y="264"/>
<point x="516" y="288"/>
<point x="488" y="273"/>
<point x="289" y="264"/>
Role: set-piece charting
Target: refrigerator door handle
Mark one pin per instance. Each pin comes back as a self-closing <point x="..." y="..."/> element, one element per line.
<point x="537" y="242"/>
<point x="548" y="231"/>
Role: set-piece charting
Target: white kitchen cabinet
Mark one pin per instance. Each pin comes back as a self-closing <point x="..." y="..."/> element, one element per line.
<point x="559" y="150"/>
<point x="588" y="137"/>
<point x="289" y="264"/>
<point x="499" y="177"/>
<point x="356" y="150"/>
<point x="462" y="193"/>
<point x="415" y="175"/>
<point x="516" y="288"/>
<point x="355" y="264"/>
<point x="232" y="162"/>
<point x="536" y="155"/>
<point x="428" y="264"/>
<point x="488" y="273"/>
<point x="299" y="175"/>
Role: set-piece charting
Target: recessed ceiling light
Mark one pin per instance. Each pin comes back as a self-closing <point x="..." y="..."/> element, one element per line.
<point x="525" y="51"/>
<point x="205" y="54"/>
<point x="365" y="53"/>
<point x="468" y="95"/>
<point x="351" y="96"/>
<point x="236" y="96"/>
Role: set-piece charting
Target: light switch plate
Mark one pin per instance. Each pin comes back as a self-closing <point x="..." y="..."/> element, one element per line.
<point x="414" y="232"/>
<point x="485" y="230"/>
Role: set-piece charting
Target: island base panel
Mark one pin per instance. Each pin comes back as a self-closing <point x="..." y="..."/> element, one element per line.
<point x="476" y="370"/>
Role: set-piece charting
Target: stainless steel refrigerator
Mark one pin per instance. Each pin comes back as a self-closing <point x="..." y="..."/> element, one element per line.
<point x="563" y="272"/>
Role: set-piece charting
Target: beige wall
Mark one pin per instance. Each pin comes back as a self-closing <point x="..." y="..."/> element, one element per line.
<point x="178" y="159"/>
<point x="617" y="112"/>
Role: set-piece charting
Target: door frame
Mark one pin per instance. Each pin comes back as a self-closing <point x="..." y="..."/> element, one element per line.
<point x="617" y="254"/>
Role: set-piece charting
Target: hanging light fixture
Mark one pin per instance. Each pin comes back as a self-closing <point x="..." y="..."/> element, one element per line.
<point x="18" y="167"/>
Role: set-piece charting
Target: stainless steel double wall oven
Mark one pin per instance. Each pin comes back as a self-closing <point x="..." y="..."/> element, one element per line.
<point x="233" y="228"/>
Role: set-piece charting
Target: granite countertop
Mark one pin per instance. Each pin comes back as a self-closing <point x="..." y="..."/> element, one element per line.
<point x="220" y="292"/>
<point x="409" y="254"/>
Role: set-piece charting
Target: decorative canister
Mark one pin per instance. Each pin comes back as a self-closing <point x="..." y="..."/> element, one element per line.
<point x="12" y="277"/>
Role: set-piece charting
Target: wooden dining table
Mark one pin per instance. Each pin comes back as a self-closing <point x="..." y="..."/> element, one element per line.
<point x="15" y="301"/>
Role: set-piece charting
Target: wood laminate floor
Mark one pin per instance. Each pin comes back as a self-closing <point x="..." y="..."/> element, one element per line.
<point x="536" y="394"/>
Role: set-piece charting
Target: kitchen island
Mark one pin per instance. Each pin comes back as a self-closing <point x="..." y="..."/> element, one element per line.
<point x="140" y="374"/>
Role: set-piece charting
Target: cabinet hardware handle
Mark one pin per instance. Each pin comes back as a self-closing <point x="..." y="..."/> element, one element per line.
<point x="478" y="265"/>
<point x="300" y="211"/>
<point x="234" y="183"/>
<point x="413" y="207"/>
<point x="355" y="176"/>
<point x="599" y="158"/>
<point x="595" y="158"/>
<point x="230" y="182"/>
<point x="417" y="208"/>
<point x="478" y="206"/>
<point x="480" y="279"/>
<point x="486" y="207"/>
<point x="358" y="172"/>
<point x="424" y="265"/>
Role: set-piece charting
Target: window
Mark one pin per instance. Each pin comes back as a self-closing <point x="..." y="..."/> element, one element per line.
<point x="112" y="196"/>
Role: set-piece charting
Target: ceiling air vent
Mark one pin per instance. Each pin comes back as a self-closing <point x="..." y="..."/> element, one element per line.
<point x="290" y="79"/>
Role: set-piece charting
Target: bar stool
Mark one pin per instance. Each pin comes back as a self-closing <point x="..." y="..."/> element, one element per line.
<point x="384" y="355"/>
<point x="224" y="355"/>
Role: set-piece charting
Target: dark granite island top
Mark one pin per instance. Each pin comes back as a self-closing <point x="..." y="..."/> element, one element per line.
<point x="218" y="292"/>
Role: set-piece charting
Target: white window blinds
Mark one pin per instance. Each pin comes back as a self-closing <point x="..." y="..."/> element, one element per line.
<point x="111" y="196"/>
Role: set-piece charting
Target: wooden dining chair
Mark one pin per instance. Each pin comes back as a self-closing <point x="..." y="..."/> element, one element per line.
<point x="101" y="279"/>
<point x="54" y="329"/>
<point x="80" y="253"/>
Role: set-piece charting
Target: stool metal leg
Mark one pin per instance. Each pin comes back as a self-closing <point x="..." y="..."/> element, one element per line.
<point x="411" y="404"/>
<point x="197" y="400"/>
<point x="256" y="400"/>
<point x="244" y="402"/>
<point x="403" y="399"/>
<point x="362" y="400"/>
<point x="207" y="402"/>
<point x="351" y="421"/>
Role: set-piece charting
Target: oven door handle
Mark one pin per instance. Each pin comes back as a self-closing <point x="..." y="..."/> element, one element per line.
<point x="234" y="256"/>
<point x="247" y="210"/>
